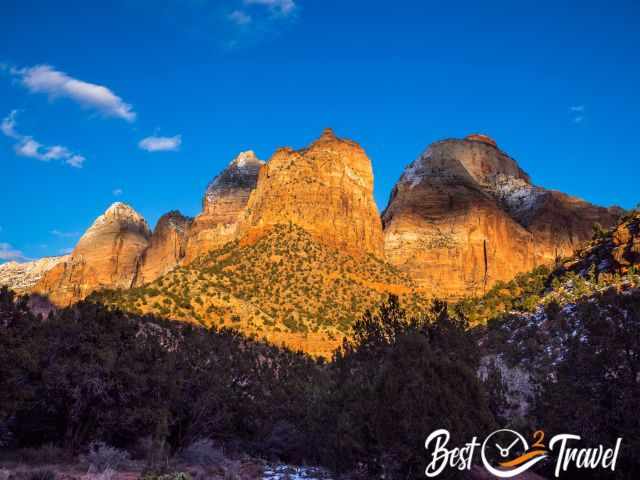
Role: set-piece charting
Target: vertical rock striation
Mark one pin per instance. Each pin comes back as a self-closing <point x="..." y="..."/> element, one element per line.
<point x="166" y="247"/>
<point x="464" y="215"/>
<point x="327" y="189"/>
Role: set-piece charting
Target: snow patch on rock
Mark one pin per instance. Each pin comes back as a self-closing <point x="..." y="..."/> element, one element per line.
<point x="21" y="276"/>
<point x="516" y="195"/>
<point x="416" y="171"/>
<point x="242" y="172"/>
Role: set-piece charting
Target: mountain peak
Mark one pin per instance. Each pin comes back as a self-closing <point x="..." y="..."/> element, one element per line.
<point x="328" y="134"/>
<point x="325" y="188"/>
<point x="476" y="159"/>
<point x="246" y="159"/>
<point x="123" y="215"/>
<point x="464" y="215"/>
<point x="480" y="137"/>
<point x="122" y="210"/>
<point x="107" y="255"/>
<point x="241" y="173"/>
<point x="223" y="204"/>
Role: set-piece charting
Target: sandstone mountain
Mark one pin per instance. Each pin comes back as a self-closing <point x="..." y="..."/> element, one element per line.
<point x="294" y="249"/>
<point x="166" y="247"/>
<point x="223" y="206"/>
<point x="20" y="276"/>
<point x="327" y="189"/>
<point x="107" y="255"/>
<point x="286" y="286"/>
<point x="464" y="215"/>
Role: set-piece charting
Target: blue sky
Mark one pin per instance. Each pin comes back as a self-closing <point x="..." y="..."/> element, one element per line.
<point x="83" y="84"/>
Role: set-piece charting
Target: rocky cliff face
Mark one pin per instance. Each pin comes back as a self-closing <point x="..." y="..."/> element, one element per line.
<point x="166" y="247"/>
<point x="108" y="255"/>
<point x="616" y="251"/>
<point x="464" y="216"/>
<point x="24" y="275"/>
<point x="223" y="206"/>
<point x="327" y="189"/>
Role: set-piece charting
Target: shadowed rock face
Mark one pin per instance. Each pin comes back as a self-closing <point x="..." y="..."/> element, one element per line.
<point x="166" y="247"/>
<point x="107" y="256"/>
<point x="464" y="216"/>
<point x="327" y="189"/>
<point x="223" y="206"/>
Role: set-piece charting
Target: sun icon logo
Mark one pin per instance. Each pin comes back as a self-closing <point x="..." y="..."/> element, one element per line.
<point x="506" y="453"/>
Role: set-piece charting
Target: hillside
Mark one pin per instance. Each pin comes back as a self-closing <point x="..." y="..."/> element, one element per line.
<point x="286" y="287"/>
<point x="610" y="260"/>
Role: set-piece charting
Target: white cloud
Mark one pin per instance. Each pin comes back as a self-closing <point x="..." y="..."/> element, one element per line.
<point x="239" y="17"/>
<point x="28" y="147"/>
<point x="75" y="161"/>
<point x="61" y="234"/>
<point x="46" y="79"/>
<point x="66" y="251"/>
<point x="282" y="7"/>
<point x="7" y="252"/>
<point x="8" y="125"/>
<point x="161" y="144"/>
<point x="577" y="113"/>
<point x="117" y="192"/>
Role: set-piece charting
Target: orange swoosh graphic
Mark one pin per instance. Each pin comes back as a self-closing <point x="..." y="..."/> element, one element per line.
<point x="522" y="458"/>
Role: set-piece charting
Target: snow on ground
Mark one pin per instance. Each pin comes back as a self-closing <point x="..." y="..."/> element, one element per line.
<point x="288" y="472"/>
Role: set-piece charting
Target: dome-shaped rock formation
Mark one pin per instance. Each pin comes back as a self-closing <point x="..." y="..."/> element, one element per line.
<point x="465" y="215"/>
<point x="106" y="256"/>
<point x="223" y="206"/>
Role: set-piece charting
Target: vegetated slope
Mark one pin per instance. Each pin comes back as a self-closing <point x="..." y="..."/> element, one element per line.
<point x="535" y="326"/>
<point x="566" y="344"/>
<point x="609" y="260"/>
<point x="286" y="287"/>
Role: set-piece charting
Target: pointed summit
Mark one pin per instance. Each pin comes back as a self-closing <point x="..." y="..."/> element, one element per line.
<point x="246" y="159"/>
<point x="328" y="134"/>
<point x="242" y="172"/>
<point x="119" y="216"/>
<point x="223" y="204"/>
<point x="480" y="137"/>
<point x="106" y="256"/>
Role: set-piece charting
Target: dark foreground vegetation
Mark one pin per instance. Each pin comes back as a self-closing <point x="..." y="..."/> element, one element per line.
<point x="89" y="374"/>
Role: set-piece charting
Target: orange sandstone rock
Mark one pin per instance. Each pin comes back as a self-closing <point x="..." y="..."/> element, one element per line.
<point x="166" y="247"/>
<point x="464" y="215"/>
<point x="107" y="256"/>
<point x="326" y="188"/>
